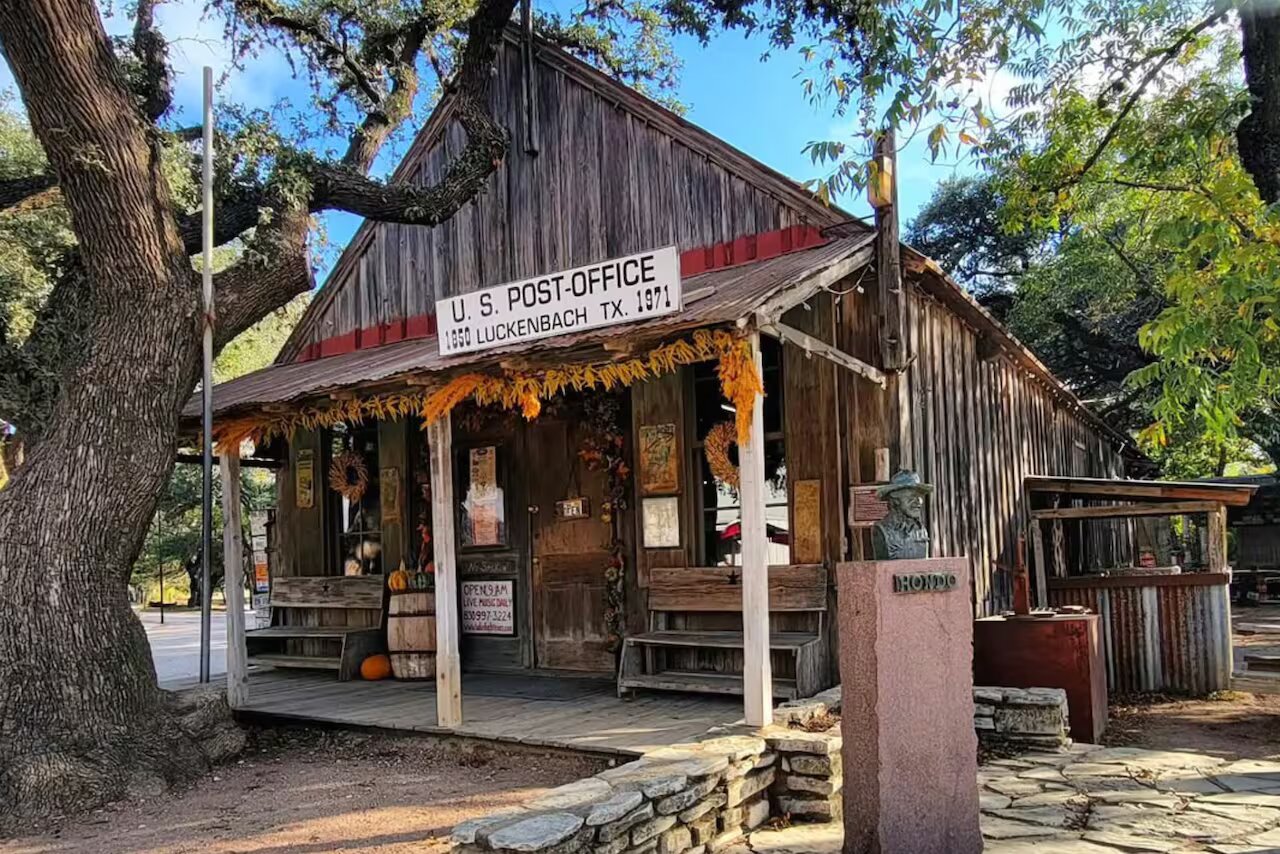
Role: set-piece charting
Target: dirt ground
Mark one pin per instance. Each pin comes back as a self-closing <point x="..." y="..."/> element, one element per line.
<point x="1230" y="724"/>
<point x="303" y="791"/>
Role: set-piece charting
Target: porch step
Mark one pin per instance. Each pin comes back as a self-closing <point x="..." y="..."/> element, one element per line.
<point x="1269" y="662"/>
<point x="703" y="683"/>
<point x="720" y="639"/>
<point x="1256" y="682"/>
<point x="310" y="662"/>
<point x="1258" y="628"/>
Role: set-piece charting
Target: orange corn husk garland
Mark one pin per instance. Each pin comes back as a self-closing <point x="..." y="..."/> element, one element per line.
<point x="740" y="382"/>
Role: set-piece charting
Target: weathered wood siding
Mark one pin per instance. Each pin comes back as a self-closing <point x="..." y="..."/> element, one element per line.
<point x="975" y="424"/>
<point x="609" y="179"/>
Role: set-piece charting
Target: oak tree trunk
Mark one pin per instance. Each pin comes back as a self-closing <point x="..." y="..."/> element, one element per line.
<point x="82" y="720"/>
<point x="1258" y="134"/>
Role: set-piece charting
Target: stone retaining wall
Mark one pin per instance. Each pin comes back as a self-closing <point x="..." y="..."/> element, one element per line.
<point x="701" y="798"/>
<point x="1035" y="717"/>
<point x="694" y="798"/>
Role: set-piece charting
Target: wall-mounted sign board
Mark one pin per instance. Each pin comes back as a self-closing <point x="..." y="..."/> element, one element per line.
<point x="620" y="290"/>
<point x="488" y="607"/>
<point x="865" y="507"/>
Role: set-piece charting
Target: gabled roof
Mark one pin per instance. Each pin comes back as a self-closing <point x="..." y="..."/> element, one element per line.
<point x="621" y="97"/>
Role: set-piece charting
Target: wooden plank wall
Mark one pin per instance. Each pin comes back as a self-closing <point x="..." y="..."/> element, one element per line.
<point x="977" y="424"/>
<point x="606" y="182"/>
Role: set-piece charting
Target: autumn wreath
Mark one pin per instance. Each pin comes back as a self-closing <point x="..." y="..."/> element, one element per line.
<point x="349" y="476"/>
<point x="716" y="445"/>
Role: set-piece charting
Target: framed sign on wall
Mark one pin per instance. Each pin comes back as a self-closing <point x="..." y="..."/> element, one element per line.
<point x="488" y="607"/>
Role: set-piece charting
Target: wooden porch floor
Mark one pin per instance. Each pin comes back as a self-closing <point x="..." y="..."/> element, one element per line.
<point x="541" y="711"/>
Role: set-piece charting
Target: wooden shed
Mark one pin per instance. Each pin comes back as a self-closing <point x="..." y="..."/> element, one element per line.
<point x="574" y="488"/>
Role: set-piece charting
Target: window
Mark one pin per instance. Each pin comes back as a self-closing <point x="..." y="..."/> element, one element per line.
<point x="720" y="513"/>
<point x="355" y="527"/>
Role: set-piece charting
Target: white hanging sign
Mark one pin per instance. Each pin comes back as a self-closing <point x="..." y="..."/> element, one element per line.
<point x="620" y="290"/>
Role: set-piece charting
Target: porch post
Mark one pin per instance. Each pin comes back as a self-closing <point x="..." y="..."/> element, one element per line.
<point x="757" y="679"/>
<point x="233" y="578"/>
<point x="448" y="665"/>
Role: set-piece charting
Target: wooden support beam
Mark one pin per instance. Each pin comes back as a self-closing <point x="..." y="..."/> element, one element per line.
<point x="1216" y="554"/>
<point x="233" y="585"/>
<point x="757" y="679"/>
<point x="448" y="660"/>
<point x="804" y="290"/>
<point x="1042" y="568"/>
<point x="1122" y="511"/>
<point x="789" y="334"/>
<point x="246" y="462"/>
<point x="884" y="198"/>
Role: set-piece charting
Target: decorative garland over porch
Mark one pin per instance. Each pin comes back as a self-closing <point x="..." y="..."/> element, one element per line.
<point x="740" y="382"/>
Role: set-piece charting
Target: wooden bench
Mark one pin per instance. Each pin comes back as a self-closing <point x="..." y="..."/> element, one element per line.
<point x="328" y="622"/>
<point x="709" y="595"/>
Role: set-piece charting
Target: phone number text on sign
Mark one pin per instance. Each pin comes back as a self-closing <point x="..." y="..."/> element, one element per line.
<point x="620" y="290"/>
<point x="488" y="607"/>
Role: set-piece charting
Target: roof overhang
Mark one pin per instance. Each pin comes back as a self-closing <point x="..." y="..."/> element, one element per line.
<point x="725" y="296"/>
<point x="1230" y="494"/>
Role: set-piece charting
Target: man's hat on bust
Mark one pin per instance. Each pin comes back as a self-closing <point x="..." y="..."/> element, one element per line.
<point x="908" y="480"/>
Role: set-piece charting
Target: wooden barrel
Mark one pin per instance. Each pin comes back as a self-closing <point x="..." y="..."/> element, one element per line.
<point x="411" y="635"/>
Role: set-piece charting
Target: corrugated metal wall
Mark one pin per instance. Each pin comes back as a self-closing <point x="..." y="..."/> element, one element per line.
<point x="1165" y="633"/>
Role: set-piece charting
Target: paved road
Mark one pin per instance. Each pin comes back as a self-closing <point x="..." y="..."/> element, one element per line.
<point x="175" y="646"/>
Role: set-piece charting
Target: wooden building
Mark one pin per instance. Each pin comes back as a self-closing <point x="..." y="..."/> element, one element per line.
<point x="563" y="488"/>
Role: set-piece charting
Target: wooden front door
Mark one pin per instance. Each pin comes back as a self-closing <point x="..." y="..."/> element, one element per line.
<point x="569" y="555"/>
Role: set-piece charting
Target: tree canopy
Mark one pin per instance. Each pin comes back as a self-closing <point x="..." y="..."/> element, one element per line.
<point x="1139" y="145"/>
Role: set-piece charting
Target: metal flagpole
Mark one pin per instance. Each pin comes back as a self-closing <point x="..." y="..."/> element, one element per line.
<point x="206" y="382"/>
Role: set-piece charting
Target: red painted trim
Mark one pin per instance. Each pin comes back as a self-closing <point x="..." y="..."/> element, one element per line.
<point x="420" y="326"/>
<point x="393" y="332"/>
<point x="750" y="247"/>
<point x="338" y="344"/>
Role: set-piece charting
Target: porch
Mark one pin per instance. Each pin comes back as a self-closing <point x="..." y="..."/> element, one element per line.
<point x="565" y="713"/>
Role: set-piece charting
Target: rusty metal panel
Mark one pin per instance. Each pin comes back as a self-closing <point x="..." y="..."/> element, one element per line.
<point x="1171" y="635"/>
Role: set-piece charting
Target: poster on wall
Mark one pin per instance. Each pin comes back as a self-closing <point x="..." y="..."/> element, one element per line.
<point x="261" y="576"/>
<point x="659" y="462"/>
<point x="304" y="480"/>
<point x="660" y="522"/>
<point x="389" y="494"/>
<point x="484" y="498"/>
<point x="488" y="607"/>
<point x="807" y="535"/>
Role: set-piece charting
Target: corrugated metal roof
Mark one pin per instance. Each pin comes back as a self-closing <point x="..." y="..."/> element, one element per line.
<point x="715" y="297"/>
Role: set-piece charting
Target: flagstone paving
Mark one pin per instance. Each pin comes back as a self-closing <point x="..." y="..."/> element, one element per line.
<point x="1105" y="800"/>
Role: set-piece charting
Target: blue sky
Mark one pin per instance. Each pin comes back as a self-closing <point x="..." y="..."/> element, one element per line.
<point x="756" y="106"/>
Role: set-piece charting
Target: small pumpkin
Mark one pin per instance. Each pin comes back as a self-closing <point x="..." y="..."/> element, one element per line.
<point x="398" y="581"/>
<point x="375" y="667"/>
<point x="420" y="581"/>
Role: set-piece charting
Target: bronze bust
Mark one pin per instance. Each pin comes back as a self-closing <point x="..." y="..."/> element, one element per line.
<point x="901" y="534"/>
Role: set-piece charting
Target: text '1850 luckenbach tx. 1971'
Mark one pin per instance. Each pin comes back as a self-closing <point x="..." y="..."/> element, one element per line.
<point x="620" y="290"/>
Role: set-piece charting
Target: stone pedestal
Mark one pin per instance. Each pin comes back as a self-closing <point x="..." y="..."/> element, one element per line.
<point x="906" y="664"/>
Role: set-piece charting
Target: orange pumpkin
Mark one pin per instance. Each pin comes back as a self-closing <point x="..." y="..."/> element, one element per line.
<point x="375" y="667"/>
<point x="398" y="581"/>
